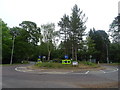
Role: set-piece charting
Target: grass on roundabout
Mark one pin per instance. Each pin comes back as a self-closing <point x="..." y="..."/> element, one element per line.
<point x="81" y="65"/>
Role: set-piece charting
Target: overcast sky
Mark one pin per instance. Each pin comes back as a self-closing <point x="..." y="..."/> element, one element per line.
<point x="100" y="13"/>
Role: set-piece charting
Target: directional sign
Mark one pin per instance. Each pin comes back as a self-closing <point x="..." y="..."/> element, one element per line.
<point x="66" y="61"/>
<point x="39" y="57"/>
<point x="74" y="63"/>
<point x="66" y="56"/>
<point x="44" y="56"/>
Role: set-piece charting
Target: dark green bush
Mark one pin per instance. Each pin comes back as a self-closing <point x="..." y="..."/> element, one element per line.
<point x="88" y="63"/>
<point x="52" y="65"/>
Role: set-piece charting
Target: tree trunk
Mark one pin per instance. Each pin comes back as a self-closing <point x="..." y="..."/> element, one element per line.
<point x="76" y="53"/>
<point x="28" y="58"/>
<point x="72" y="52"/>
<point x="65" y="43"/>
<point x="49" y="55"/>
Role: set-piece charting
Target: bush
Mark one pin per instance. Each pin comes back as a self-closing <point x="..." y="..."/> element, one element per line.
<point x="65" y="66"/>
<point x="24" y="62"/>
<point x="88" y="63"/>
<point x="53" y="65"/>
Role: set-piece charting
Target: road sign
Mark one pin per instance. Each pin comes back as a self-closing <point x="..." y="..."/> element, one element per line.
<point x="66" y="56"/>
<point x="44" y="57"/>
<point x="39" y="56"/>
<point x="66" y="61"/>
<point x="74" y="63"/>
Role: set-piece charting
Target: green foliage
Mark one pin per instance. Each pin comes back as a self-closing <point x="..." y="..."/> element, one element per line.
<point x="88" y="63"/>
<point x="114" y="30"/>
<point x="102" y="42"/>
<point x="32" y="41"/>
<point x="49" y="34"/>
<point x="33" y="32"/>
<point x="114" y="52"/>
<point x="6" y="42"/>
<point x="25" y="62"/>
<point x="51" y="65"/>
<point x="72" y="29"/>
<point x="68" y="66"/>
<point x="90" y="47"/>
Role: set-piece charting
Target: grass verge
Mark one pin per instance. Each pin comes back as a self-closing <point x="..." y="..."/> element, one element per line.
<point x="82" y="65"/>
<point x="12" y="64"/>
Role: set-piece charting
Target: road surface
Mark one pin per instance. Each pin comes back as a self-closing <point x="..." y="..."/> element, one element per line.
<point x="14" y="78"/>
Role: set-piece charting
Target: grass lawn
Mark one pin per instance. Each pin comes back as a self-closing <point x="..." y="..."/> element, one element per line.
<point x="82" y="65"/>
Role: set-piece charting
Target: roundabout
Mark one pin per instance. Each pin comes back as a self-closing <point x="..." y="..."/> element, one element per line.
<point x="107" y="69"/>
<point x="19" y="76"/>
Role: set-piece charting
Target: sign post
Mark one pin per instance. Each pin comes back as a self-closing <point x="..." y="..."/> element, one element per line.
<point x="39" y="59"/>
<point x="66" y="56"/>
<point x="66" y="61"/>
<point x="75" y="63"/>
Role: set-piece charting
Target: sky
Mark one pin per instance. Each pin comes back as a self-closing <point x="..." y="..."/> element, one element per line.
<point x="100" y="13"/>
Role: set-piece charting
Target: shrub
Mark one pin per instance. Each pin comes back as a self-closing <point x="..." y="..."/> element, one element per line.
<point x="24" y="62"/>
<point x="52" y="65"/>
<point x="88" y="63"/>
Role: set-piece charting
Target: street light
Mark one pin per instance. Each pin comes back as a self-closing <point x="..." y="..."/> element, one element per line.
<point x="106" y="44"/>
<point x="14" y="31"/>
<point x="12" y="50"/>
<point x="107" y="53"/>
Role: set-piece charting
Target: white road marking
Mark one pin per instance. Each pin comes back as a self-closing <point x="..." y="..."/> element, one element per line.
<point x="55" y="72"/>
<point x="110" y="71"/>
<point x="80" y="73"/>
<point x="24" y="69"/>
<point x="103" y="71"/>
<point x="17" y="69"/>
<point x="87" y="72"/>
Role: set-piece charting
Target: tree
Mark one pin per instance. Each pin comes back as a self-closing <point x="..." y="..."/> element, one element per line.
<point x="102" y="42"/>
<point x="26" y="42"/>
<point x="73" y="29"/>
<point x="6" y="42"/>
<point x="14" y="32"/>
<point x="49" y="34"/>
<point x="115" y="29"/>
<point x="64" y="30"/>
<point x="90" y="47"/>
<point x="114" y="52"/>
<point x="34" y="32"/>
<point x="77" y="28"/>
<point x="114" y="32"/>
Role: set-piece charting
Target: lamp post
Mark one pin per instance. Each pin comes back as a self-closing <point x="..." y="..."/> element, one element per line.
<point x="90" y="58"/>
<point x="107" y="53"/>
<point x="12" y="49"/>
<point x="106" y="44"/>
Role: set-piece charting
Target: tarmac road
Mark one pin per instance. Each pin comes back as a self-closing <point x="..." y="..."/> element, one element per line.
<point x="94" y="79"/>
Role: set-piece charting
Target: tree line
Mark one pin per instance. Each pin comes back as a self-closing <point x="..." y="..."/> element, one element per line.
<point x="31" y="41"/>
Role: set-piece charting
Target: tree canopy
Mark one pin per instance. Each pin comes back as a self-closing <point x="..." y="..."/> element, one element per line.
<point x="32" y="41"/>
